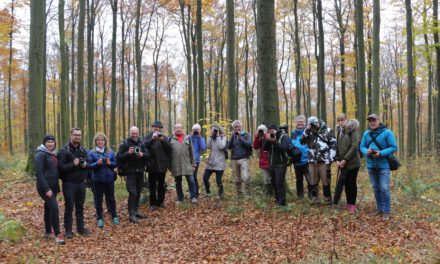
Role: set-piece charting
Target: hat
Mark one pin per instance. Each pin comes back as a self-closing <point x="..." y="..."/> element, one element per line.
<point x="196" y="127"/>
<point x="262" y="127"/>
<point x="273" y="126"/>
<point x="47" y="138"/>
<point x="157" y="124"/>
<point x="372" y="116"/>
<point x="312" y="120"/>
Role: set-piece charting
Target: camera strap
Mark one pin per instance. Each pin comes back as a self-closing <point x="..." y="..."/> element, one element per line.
<point x="374" y="139"/>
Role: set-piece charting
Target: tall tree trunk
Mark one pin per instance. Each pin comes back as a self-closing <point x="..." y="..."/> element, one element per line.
<point x="360" y="80"/>
<point x="10" y="80"/>
<point x="375" y="93"/>
<point x="411" y="128"/>
<point x="195" y="76"/>
<point x="268" y="104"/>
<point x="230" y="60"/>
<point x="297" y="59"/>
<point x="72" y="84"/>
<point x="90" y="77"/>
<point x="321" y="67"/>
<point x="437" y="76"/>
<point x="123" y="43"/>
<point x="114" y="6"/>
<point x="428" y="58"/>
<point x="64" y="115"/>
<point x="187" y="41"/>
<point x="138" y="58"/>
<point x="80" y="65"/>
<point x="201" y="84"/>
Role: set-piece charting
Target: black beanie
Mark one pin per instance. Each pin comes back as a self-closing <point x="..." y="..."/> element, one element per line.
<point x="48" y="137"/>
<point x="273" y="127"/>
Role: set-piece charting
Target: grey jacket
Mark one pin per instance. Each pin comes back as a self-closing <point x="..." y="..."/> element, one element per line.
<point x="182" y="156"/>
<point x="216" y="160"/>
<point x="241" y="148"/>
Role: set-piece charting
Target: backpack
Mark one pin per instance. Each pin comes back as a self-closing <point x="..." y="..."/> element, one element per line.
<point x="293" y="153"/>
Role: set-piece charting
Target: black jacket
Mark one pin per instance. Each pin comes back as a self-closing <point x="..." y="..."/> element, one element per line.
<point x="160" y="153"/>
<point x="131" y="162"/>
<point x="46" y="170"/>
<point x="68" y="171"/>
<point x="278" y="149"/>
<point x="241" y="148"/>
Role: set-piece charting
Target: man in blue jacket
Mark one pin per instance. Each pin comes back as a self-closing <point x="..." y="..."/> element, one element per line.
<point x="378" y="142"/>
<point x="301" y="167"/>
<point x="199" y="146"/>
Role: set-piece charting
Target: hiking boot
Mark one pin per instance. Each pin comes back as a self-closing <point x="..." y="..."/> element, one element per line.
<point x="133" y="219"/>
<point x="69" y="234"/>
<point x="85" y="232"/>
<point x="178" y="203"/>
<point x="59" y="240"/>
<point x="47" y="236"/>
<point x="153" y="208"/>
<point x="162" y="206"/>
<point x="351" y="207"/>
<point x="378" y="213"/>
<point x="140" y="216"/>
<point x="194" y="200"/>
<point x="101" y="223"/>
<point x="385" y="217"/>
<point x="116" y="221"/>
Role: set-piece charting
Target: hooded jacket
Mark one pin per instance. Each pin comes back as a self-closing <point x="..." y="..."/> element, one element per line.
<point x="199" y="146"/>
<point x="103" y="172"/>
<point x="68" y="171"/>
<point x="385" y="138"/>
<point x="263" y="159"/>
<point x="216" y="160"/>
<point x="46" y="170"/>
<point x="348" y="145"/>
<point x="295" y="139"/>
<point x="241" y="148"/>
<point x="321" y="143"/>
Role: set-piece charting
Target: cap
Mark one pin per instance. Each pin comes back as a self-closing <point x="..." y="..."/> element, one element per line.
<point x="157" y="124"/>
<point x="47" y="138"/>
<point x="273" y="126"/>
<point x="372" y="116"/>
<point x="312" y="120"/>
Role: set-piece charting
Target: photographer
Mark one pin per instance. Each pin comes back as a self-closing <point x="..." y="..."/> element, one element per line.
<point x="240" y="145"/>
<point x="160" y="160"/>
<point x="199" y="146"/>
<point x="277" y="143"/>
<point x="301" y="167"/>
<point x="132" y="157"/>
<point x="322" y="151"/>
<point x="73" y="169"/>
<point x="217" y="160"/>
<point x="102" y="161"/>
<point x="378" y="143"/>
<point x="263" y="160"/>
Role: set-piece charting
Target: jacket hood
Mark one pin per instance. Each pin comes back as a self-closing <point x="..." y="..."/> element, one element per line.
<point x="322" y="126"/>
<point x="219" y="128"/>
<point x="352" y="125"/>
<point x="262" y="127"/>
<point x="43" y="148"/>
<point x="381" y="127"/>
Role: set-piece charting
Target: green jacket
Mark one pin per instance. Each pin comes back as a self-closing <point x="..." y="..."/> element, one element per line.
<point x="348" y="145"/>
<point x="182" y="156"/>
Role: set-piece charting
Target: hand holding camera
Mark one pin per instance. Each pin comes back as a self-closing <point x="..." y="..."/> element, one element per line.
<point x="138" y="152"/>
<point x="82" y="162"/>
<point x="75" y="162"/>
<point x="214" y="133"/>
<point x="130" y="150"/>
<point x="100" y="161"/>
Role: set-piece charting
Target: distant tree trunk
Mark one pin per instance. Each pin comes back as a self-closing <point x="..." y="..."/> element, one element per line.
<point x="268" y="104"/>
<point x="437" y="76"/>
<point x="114" y="6"/>
<point x="201" y="84"/>
<point x="195" y="75"/>
<point x="369" y="75"/>
<point x="138" y="57"/>
<point x="411" y="128"/>
<point x="80" y="65"/>
<point x="187" y="37"/>
<point x="230" y="60"/>
<point x="361" y="64"/>
<point x="428" y="54"/>
<point x="156" y="52"/>
<point x="123" y="43"/>
<point x="321" y="65"/>
<point x="64" y="115"/>
<point x="90" y="77"/>
<point x="35" y="94"/>
<point x="297" y="59"/>
<point x="10" y="81"/>
<point x="72" y="84"/>
<point x="104" y="88"/>
<point x="375" y="93"/>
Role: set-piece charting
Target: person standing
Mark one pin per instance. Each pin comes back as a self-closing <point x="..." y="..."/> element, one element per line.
<point x="199" y="146"/>
<point x="183" y="163"/>
<point x="102" y="161"/>
<point x="216" y="160"/>
<point x="240" y="145"/>
<point x="73" y="168"/>
<point x="378" y="143"/>
<point x="160" y="160"/>
<point x="46" y="172"/>
<point x="132" y="158"/>
<point x="263" y="158"/>
<point x="348" y="160"/>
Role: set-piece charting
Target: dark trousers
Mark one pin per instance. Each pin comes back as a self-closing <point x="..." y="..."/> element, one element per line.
<point x="157" y="188"/>
<point x="302" y="172"/>
<point x="74" y="197"/>
<point x="278" y="179"/>
<point x="195" y="178"/>
<point x="218" y="179"/>
<point x="134" y="184"/>
<point x="107" y="189"/>
<point x="51" y="212"/>
<point x="92" y="188"/>
<point x="191" y="186"/>
<point x="347" y="179"/>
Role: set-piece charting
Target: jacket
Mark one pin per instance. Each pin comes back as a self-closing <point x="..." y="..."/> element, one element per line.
<point x="198" y="146"/>
<point x="387" y="142"/>
<point x="263" y="159"/>
<point x="321" y="143"/>
<point x="160" y="153"/>
<point x="68" y="171"/>
<point x="278" y="150"/>
<point x="46" y="170"/>
<point x="241" y="148"/>
<point x="103" y="172"/>
<point x="295" y="139"/>
<point x="216" y="160"/>
<point x="182" y="156"/>
<point x="131" y="162"/>
<point x="348" y="145"/>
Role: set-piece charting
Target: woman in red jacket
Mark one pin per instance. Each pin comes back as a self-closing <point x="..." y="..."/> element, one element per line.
<point x="263" y="158"/>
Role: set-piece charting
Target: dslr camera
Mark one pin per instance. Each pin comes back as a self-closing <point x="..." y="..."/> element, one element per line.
<point x="104" y="160"/>
<point x="82" y="162"/>
<point x="159" y="135"/>
<point x="137" y="150"/>
<point x="272" y="135"/>
<point x="261" y="132"/>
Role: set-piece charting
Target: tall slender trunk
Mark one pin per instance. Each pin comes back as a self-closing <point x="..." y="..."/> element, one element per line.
<point x="297" y="59"/>
<point x="411" y="139"/>
<point x="80" y="65"/>
<point x="230" y="60"/>
<point x="201" y="78"/>
<point x="90" y="75"/>
<point x="138" y="58"/>
<point x="10" y="81"/>
<point x="114" y="6"/>
<point x="375" y="93"/>
<point x="64" y="115"/>
<point x="437" y="76"/>
<point x="360" y="64"/>
<point x="321" y="67"/>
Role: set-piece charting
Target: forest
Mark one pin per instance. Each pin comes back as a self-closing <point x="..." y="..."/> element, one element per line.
<point x="106" y="65"/>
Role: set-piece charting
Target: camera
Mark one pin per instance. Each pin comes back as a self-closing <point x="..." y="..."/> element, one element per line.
<point x="104" y="160"/>
<point x="195" y="133"/>
<point x="82" y="162"/>
<point x="159" y="135"/>
<point x="236" y="133"/>
<point x="137" y="150"/>
<point x="272" y="135"/>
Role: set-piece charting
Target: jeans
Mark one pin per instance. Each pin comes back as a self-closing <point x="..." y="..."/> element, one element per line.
<point x="51" y="212"/>
<point x="218" y="179"/>
<point x="301" y="172"/>
<point x="134" y="184"/>
<point x="195" y="178"/>
<point x="347" y="179"/>
<point x="157" y="188"/>
<point x="380" y="181"/>
<point x="278" y="177"/>
<point x="74" y="197"/>
<point x="191" y="185"/>
<point x="107" y="188"/>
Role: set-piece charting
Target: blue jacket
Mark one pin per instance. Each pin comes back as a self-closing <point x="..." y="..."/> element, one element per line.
<point x="198" y="145"/>
<point x="385" y="138"/>
<point x="103" y="172"/>
<point x="295" y="139"/>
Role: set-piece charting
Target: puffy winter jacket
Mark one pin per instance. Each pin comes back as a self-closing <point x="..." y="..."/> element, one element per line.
<point x="295" y="139"/>
<point x="263" y="159"/>
<point x="321" y="143"/>
<point x="387" y="142"/>
<point x="241" y="148"/>
<point x="46" y="170"/>
<point x="348" y="145"/>
<point x="198" y="145"/>
<point x="216" y="160"/>
<point x="103" y="172"/>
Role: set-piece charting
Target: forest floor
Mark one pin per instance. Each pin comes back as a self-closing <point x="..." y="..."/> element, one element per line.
<point x="250" y="231"/>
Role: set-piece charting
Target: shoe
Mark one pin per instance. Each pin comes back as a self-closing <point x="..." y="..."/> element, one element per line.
<point x="378" y="213"/>
<point x="194" y="200"/>
<point x="352" y="208"/>
<point x="133" y="219"/>
<point x="69" y="234"/>
<point x="347" y="207"/>
<point x="85" y="232"/>
<point x="327" y="202"/>
<point x="140" y="216"/>
<point x="385" y="217"/>
<point x="101" y="223"/>
<point x="47" y="236"/>
<point x="59" y="240"/>
<point x="178" y="203"/>
<point x="116" y="221"/>
<point x="153" y="208"/>
<point x="162" y="206"/>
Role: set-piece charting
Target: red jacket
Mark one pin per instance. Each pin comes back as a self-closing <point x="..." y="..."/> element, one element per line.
<point x="264" y="155"/>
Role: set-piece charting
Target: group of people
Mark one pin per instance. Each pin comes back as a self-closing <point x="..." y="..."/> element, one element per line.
<point x="315" y="144"/>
